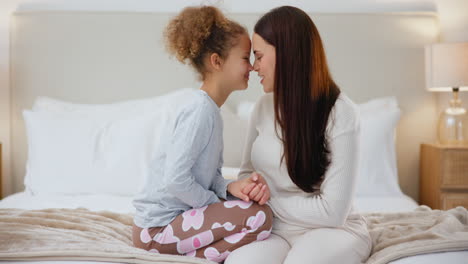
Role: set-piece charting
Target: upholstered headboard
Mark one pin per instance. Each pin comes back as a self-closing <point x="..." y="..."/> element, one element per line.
<point x="99" y="57"/>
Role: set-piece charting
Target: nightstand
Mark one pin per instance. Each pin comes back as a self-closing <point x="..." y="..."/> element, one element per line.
<point x="443" y="182"/>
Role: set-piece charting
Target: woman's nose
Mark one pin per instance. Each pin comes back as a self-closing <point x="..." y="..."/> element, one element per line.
<point x="255" y="67"/>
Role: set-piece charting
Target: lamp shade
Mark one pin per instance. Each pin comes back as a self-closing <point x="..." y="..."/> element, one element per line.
<point x="446" y="66"/>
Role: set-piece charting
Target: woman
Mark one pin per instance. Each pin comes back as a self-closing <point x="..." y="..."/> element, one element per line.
<point x="181" y="208"/>
<point x="303" y="140"/>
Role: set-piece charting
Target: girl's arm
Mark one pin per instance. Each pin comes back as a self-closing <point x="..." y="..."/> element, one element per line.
<point x="220" y="183"/>
<point x="191" y="135"/>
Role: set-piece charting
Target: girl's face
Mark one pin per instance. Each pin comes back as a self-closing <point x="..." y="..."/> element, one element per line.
<point x="237" y="67"/>
<point x="265" y="59"/>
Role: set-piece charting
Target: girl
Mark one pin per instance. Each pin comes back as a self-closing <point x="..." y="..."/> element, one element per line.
<point x="182" y="207"/>
<point x="304" y="140"/>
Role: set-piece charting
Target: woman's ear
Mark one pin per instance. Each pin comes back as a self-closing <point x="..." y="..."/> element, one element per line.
<point x="216" y="61"/>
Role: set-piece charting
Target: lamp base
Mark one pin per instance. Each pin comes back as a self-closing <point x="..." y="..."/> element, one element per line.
<point x="453" y="124"/>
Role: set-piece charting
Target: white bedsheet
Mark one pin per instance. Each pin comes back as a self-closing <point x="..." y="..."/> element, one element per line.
<point x="24" y="200"/>
<point x="384" y="204"/>
<point x="123" y="204"/>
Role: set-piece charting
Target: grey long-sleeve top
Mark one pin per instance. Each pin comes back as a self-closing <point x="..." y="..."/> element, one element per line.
<point x="186" y="169"/>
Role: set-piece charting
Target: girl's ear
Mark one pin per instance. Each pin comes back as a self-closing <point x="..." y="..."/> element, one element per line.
<point x="216" y="61"/>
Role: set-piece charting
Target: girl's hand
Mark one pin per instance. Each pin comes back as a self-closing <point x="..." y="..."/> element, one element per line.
<point x="236" y="188"/>
<point x="260" y="192"/>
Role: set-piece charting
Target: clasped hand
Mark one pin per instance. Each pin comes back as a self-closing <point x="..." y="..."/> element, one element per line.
<point x="253" y="188"/>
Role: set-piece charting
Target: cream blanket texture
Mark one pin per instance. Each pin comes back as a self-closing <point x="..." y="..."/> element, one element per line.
<point x="398" y="235"/>
<point x="74" y="234"/>
<point x="80" y="234"/>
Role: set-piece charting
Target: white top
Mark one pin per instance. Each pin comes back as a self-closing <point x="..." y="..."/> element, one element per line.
<point x="292" y="207"/>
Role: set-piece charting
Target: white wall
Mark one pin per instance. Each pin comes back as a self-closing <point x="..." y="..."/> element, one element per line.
<point x="453" y="16"/>
<point x="244" y="6"/>
<point x="6" y="7"/>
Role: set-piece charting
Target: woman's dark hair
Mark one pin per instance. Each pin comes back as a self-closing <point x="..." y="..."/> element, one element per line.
<point x="304" y="93"/>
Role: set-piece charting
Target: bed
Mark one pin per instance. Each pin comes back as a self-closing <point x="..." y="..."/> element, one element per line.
<point x="72" y="63"/>
<point x="123" y="205"/>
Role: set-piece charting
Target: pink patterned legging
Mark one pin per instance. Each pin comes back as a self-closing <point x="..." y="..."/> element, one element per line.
<point x="210" y="232"/>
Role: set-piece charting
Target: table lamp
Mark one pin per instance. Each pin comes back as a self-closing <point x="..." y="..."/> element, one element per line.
<point x="447" y="71"/>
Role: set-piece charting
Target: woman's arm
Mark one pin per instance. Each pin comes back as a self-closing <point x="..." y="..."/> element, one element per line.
<point x="191" y="135"/>
<point x="255" y="187"/>
<point x="331" y="207"/>
<point x="246" y="167"/>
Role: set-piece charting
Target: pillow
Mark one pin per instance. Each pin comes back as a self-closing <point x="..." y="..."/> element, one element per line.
<point x="378" y="175"/>
<point x="83" y="149"/>
<point x="47" y="104"/>
<point x="230" y="172"/>
<point x="244" y="109"/>
<point x="234" y="137"/>
<point x="234" y="131"/>
<point x="88" y="154"/>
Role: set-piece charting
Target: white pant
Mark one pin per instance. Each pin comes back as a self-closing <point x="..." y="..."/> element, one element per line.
<point x="317" y="246"/>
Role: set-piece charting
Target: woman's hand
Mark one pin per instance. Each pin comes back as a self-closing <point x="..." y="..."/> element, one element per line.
<point x="259" y="192"/>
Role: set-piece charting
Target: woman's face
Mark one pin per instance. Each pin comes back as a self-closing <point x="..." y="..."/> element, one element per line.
<point x="265" y="59"/>
<point x="237" y="67"/>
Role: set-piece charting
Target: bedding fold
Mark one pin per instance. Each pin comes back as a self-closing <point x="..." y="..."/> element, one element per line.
<point x="398" y="235"/>
<point x="74" y="234"/>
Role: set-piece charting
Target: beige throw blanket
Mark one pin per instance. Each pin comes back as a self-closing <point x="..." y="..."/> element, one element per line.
<point x="79" y="234"/>
<point x="397" y="235"/>
<point x="74" y="234"/>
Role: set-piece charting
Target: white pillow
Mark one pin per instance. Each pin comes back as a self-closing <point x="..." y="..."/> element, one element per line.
<point x="244" y="109"/>
<point x="234" y="136"/>
<point x="234" y="131"/>
<point x="230" y="172"/>
<point x="378" y="175"/>
<point x="88" y="154"/>
<point x="47" y="104"/>
<point x="105" y="149"/>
